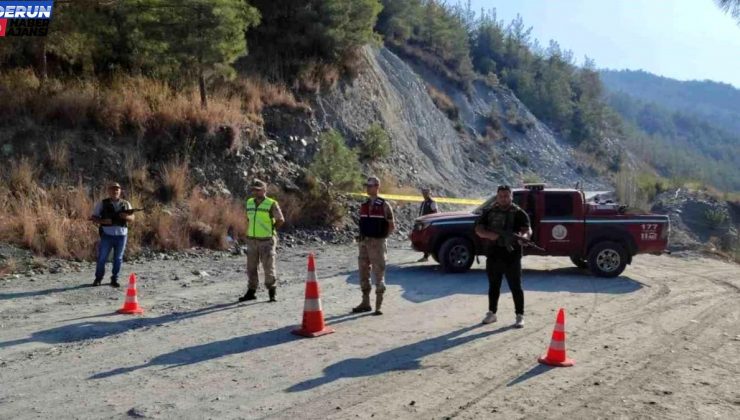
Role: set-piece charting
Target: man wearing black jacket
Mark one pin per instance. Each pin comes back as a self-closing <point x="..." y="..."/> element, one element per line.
<point x="504" y="251"/>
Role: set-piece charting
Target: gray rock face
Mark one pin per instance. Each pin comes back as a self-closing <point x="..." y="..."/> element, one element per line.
<point x="699" y="220"/>
<point x="430" y="149"/>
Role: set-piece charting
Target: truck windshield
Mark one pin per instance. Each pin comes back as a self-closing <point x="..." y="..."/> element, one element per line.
<point x="518" y="196"/>
<point x="487" y="203"/>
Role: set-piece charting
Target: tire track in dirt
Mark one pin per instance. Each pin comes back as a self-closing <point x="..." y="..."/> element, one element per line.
<point x="650" y="362"/>
<point x="657" y="297"/>
<point x="481" y="355"/>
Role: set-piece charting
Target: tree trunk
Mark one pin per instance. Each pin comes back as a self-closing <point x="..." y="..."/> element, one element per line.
<point x="202" y="84"/>
<point x="44" y="70"/>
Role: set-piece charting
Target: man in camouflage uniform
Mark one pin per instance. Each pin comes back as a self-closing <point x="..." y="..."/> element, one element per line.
<point x="263" y="219"/>
<point x="376" y="224"/>
<point x="500" y="224"/>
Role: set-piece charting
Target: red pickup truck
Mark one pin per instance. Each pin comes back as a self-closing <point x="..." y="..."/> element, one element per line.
<point x="599" y="236"/>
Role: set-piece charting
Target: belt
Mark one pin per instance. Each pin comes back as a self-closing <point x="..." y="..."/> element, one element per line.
<point x="259" y="239"/>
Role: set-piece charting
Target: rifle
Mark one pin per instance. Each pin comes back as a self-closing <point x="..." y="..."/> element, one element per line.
<point x="131" y="211"/>
<point x="510" y="237"/>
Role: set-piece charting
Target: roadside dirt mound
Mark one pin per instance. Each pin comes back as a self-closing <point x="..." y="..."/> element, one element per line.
<point x="699" y="221"/>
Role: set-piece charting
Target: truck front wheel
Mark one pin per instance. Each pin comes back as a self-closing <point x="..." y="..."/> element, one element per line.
<point x="456" y="255"/>
<point x="579" y="262"/>
<point x="607" y="259"/>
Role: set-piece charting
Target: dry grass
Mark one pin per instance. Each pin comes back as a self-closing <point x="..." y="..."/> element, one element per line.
<point x="257" y="94"/>
<point x="143" y="107"/>
<point x="316" y="76"/>
<point x="22" y="176"/>
<point x="137" y="174"/>
<point x="175" y="181"/>
<point x="57" y="156"/>
<point x="443" y="102"/>
<point x="56" y="223"/>
<point x="210" y="219"/>
<point x="8" y="266"/>
<point x="51" y="224"/>
<point x="18" y="89"/>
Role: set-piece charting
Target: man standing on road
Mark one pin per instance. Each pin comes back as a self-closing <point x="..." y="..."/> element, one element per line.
<point x="263" y="219"/>
<point x="504" y="251"/>
<point x="113" y="228"/>
<point x="428" y="206"/>
<point x="376" y="224"/>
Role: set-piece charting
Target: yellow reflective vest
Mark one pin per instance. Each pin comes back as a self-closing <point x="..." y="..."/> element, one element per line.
<point x="261" y="224"/>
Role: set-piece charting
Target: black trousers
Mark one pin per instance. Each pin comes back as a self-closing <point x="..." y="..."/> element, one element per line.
<point x="498" y="265"/>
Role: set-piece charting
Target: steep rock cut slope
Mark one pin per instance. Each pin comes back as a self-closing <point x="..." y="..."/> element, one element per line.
<point x="428" y="147"/>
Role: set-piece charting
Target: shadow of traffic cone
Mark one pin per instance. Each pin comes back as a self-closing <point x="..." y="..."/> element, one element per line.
<point x="313" y="316"/>
<point x="556" y="353"/>
<point x="131" y="304"/>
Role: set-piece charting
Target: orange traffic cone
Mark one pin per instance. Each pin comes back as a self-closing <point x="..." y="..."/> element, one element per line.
<point x="131" y="304"/>
<point x="556" y="353"/>
<point x="313" y="316"/>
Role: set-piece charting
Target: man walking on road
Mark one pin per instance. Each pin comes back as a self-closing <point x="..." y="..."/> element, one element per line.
<point x="376" y="224"/>
<point x="263" y="219"/>
<point x="113" y="222"/>
<point x="501" y="224"/>
<point x="428" y="206"/>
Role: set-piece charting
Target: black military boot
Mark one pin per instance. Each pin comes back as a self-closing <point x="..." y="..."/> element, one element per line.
<point x="271" y="291"/>
<point x="364" y="306"/>
<point x="378" y="304"/>
<point x="250" y="295"/>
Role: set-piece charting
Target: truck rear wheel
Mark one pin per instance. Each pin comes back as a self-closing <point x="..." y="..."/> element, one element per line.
<point x="579" y="262"/>
<point x="456" y="255"/>
<point x="607" y="259"/>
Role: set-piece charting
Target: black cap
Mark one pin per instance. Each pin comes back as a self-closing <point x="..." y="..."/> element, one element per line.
<point x="503" y="188"/>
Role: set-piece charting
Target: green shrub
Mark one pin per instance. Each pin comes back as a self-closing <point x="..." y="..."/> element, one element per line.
<point x="715" y="218"/>
<point x="336" y="163"/>
<point x="376" y="144"/>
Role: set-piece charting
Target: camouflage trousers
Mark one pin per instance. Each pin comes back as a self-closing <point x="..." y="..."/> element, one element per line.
<point x="261" y="251"/>
<point x="372" y="259"/>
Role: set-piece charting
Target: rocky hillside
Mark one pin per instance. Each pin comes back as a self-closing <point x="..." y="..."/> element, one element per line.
<point x="454" y="155"/>
<point x="700" y="221"/>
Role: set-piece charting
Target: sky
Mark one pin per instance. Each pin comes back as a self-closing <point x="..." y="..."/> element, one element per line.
<point x="680" y="39"/>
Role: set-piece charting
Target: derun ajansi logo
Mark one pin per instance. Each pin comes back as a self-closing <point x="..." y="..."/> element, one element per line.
<point x="25" y="18"/>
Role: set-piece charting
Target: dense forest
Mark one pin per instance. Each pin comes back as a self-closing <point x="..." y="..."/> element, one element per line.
<point x="678" y="144"/>
<point x="715" y="102"/>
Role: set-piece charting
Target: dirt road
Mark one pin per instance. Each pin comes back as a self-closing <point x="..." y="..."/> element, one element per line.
<point x="661" y="341"/>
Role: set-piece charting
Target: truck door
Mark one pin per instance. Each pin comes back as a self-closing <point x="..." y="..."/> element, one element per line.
<point x="561" y="227"/>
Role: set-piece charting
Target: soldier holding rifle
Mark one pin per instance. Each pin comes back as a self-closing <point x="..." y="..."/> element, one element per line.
<point x="507" y="226"/>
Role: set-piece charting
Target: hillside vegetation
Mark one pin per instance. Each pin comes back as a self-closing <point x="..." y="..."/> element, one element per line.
<point x="141" y="90"/>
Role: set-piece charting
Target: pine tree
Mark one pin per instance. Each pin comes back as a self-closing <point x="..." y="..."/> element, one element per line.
<point x="197" y="38"/>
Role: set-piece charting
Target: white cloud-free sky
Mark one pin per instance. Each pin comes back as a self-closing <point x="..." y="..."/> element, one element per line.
<point x="681" y="39"/>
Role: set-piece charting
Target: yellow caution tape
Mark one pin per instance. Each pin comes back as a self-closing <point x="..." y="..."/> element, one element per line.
<point x="419" y="199"/>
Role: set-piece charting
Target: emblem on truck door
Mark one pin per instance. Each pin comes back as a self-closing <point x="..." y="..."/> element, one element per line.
<point x="559" y="232"/>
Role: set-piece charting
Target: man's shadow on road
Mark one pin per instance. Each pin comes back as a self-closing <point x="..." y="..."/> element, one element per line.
<point x="33" y="293"/>
<point x="209" y="351"/>
<point x="399" y="359"/>
<point x="421" y="283"/>
<point x="86" y="330"/>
